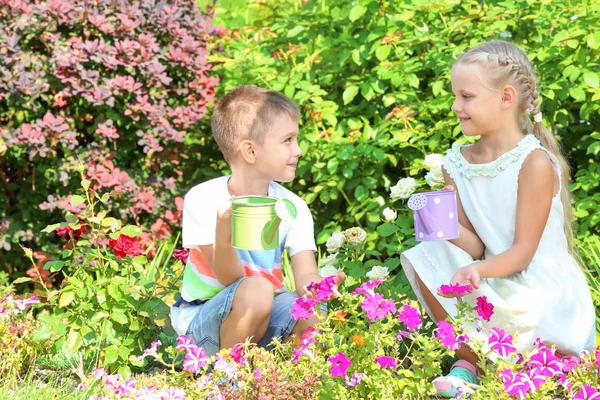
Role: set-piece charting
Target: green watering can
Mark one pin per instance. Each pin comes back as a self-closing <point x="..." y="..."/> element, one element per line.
<point x="255" y="221"/>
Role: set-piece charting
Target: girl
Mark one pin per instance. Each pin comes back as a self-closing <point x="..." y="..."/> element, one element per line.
<point x="515" y="216"/>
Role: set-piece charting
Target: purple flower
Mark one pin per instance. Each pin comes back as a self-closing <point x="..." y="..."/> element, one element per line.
<point x="303" y="308"/>
<point x="484" y="309"/>
<point x="355" y="380"/>
<point x="377" y="307"/>
<point x="385" y="361"/>
<point x="586" y="392"/>
<point x="501" y="342"/>
<point x="456" y="289"/>
<point x="445" y="333"/>
<point x="195" y="358"/>
<point x="173" y="393"/>
<point x="410" y="317"/>
<point x="367" y="288"/>
<point x="339" y="364"/>
<point x="402" y="335"/>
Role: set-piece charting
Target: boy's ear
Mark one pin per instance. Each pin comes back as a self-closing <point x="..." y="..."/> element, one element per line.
<point x="248" y="151"/>
<point x="509" y="96"/>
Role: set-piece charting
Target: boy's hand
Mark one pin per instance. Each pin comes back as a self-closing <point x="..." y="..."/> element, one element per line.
<point x="223" y="228"/>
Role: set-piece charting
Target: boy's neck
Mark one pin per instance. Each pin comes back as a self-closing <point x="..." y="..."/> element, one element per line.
<point x="240" y="184"/>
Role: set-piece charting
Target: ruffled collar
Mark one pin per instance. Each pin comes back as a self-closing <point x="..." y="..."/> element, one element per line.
<point x="493" y="168"/>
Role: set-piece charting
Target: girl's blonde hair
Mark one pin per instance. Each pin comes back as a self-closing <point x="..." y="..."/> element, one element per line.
<point x="507" y="64"/>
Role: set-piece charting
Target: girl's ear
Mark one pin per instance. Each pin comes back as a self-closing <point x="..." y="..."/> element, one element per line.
<point x="248" y="152"/>
<point x="509" y="96"/>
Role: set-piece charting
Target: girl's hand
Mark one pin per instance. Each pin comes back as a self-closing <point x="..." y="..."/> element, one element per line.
<point x="465" y="276"/>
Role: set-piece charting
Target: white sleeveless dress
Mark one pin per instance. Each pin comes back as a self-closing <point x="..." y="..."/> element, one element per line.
<point x="550" y="299"/>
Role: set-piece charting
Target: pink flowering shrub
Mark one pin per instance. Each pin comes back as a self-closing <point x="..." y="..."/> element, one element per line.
<point x="112" y="88"/>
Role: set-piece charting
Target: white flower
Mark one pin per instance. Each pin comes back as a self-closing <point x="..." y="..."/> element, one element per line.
<point x="435" y="177"/>
<point x="355" y="236"/>
<point x="330" y="260"/>
<point x="328" y="270"/>
<point x="403" y="189"/>
<point x="378" y="272"/>
<point x="389" y="215"/>
<point x="335" y="241"/>
<point x="432" y="161"/>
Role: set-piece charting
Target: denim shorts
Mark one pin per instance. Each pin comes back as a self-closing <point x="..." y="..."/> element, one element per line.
<point x="205" y="327"/>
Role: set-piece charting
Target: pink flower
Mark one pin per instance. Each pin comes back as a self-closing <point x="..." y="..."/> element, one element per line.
<point x="237" y="353"/>
<point x="303" y="308"/>
<point x="501" y="342"/>
<point x="184" y="343"/>
<point x="385" y="361"/>
<point x="402" y="335"/>
<point x="514" y="384"/>
<point x="125" y="246"/>
<point x="339" y="364"/>
<point x="151" y="351"/>
<point x="172" y="393"/>
<point x="195" y="359"/>
<point x="546" y="360"/>
<point x="410" y="317"/>
<point x="367" y="288"/>
<point x="456" y="289"/>
<point x="126" y="388"/>
<point x="484" y="309"/>
<point x="445" y="333"/>
<point x="324" y="290"/>
<point x="586" y="392"/>
<point x="22" y="304"/>
<point x="147" y="393"/>
<point x="181" y="255"/>
<point x="535" y="376"/>
<point x="222" y="365"/>
<point x="377" y="307"/>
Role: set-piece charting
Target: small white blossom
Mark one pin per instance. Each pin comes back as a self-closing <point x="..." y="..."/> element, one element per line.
<point x="328" y="270"/>
<point x="432" y="161"/>
<point x="335" y="242"/>
<point x="330" y="260"/>
<point x="355" y="236"/>
<point x="389" y="215"/>
<point x="403" y="189"/>
<point x="378" y="272"/>
<point x="435" y="178"/>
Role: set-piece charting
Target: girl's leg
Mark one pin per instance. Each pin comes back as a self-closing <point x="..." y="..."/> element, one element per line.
<point x="464" y="353"/>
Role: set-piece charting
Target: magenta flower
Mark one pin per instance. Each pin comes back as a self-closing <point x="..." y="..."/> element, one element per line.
<point x="385" y="361"/>
<point x="484" y="309"/>
<point x="339" y="364"/>
<point x="501" y="342"/>
<point x="597" y="358"/>
<point x="173" y="393"/>
<point x="324" y="290"/>
<point x="514" y="385"/>
<point x="23" y="304"/>
<point x="222" y="365"/>
<point x="586" y="392"/>
<point x="377" y="307"/>
<point x="402" y="335"/>
<point x="456" y="289"/>
<point x="536" y="376"/>
<point x="355" y="380"/>
<point x="410" y="317"/>
<point x="147" y="393"/>
<point x="237" y="353"/>
<point x="181" y="255"/>
<point x="185" y="343"/>
<point x="303" y="308"/>
<point x="195" y="359"/>
<point x="547" y="361"/>
<point x="99" y="373"/>
<point x="127" y="388"/>
<point x="445" y="333"/>
<point x="297" y="353"/>
<point x="367" y="288"/>
<point x="151" y="351"/>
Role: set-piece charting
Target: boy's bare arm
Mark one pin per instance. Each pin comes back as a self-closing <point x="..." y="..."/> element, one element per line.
<point x="224" y="260"/>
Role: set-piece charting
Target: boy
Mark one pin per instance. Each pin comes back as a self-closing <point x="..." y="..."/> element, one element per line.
<point x="229" y="295"/>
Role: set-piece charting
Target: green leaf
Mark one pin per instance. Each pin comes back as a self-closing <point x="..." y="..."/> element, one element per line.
<point x="383" y="52"/>
<point x="131" y="230"/>
<point x="119" y="317"/>
<point x="54" y="266"/>
<point x="295" y="31"/>
<point x="111" y="354"/>
<point x="577" y="93"/>
<point x="591" y="79"/>
<point x="387" y="229"/>
<point x="66" y="298"/>
<point x="71" y="218"/>
<point x="593" y="40"/>
<point x="357" y="12"/>
<point x="85" y="184"/>
<point x="22" y="279"/>
<point x="349" y="94"/>
<point x="50" y="228"/>
<point x="76" y="200"/>
<point x="42" y="334"/>
<point x="72" y="343"/>
<point x="109" y="221"/>
<point x="437" y="87"/>
<point x="114" y="292"/>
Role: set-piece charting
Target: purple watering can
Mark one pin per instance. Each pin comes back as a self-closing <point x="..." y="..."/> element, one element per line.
<point x="435" y="215"/>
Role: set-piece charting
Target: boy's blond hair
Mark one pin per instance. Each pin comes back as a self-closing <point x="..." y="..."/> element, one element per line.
<point x="245" y="113"/>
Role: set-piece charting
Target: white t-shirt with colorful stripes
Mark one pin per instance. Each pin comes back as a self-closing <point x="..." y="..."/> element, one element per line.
<point x="199" y="221"/>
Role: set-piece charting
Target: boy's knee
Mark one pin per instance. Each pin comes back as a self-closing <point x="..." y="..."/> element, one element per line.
<point x="254" y="296"/>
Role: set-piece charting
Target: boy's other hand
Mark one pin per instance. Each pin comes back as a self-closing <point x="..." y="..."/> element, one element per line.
<point x="223" y="228"/>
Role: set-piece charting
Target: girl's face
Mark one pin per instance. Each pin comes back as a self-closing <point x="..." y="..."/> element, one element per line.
<point x="476" y="104"/>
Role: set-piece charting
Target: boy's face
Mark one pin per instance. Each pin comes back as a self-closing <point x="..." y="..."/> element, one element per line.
<point x="277" y="157"/>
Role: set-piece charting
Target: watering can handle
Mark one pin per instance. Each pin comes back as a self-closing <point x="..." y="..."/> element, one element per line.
<point x="427" y="220"/>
